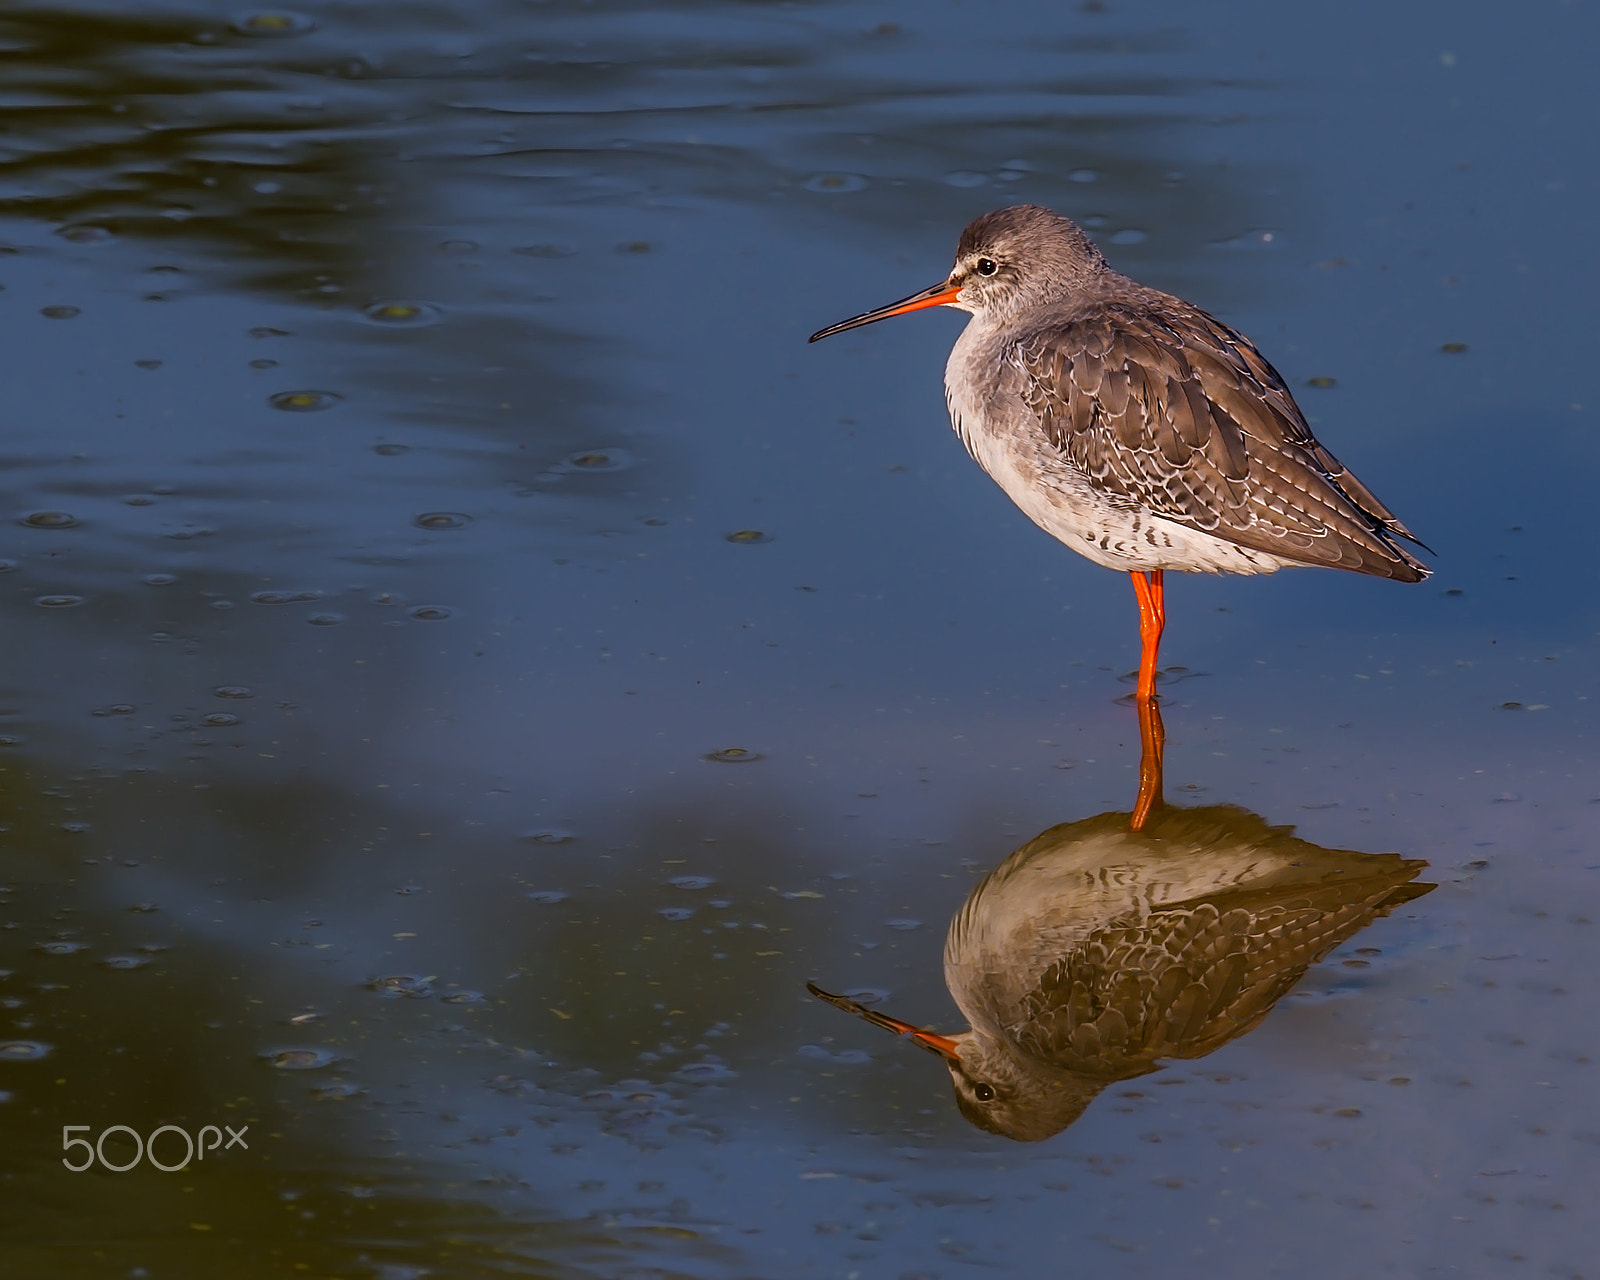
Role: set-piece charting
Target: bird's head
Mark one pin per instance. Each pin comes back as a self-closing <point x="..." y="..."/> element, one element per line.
<point x="1016" y="1098"/>
<point x="995" y="1089"/>
<point x="1007" y="261"/>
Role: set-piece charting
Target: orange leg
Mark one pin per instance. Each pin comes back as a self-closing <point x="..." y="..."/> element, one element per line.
<point x="1152" y="742"/>
<point x="1150" y="588"/>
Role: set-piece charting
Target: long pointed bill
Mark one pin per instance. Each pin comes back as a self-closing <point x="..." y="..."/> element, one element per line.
<point x="942" y="1045"/>
<point x="943" y="294"/>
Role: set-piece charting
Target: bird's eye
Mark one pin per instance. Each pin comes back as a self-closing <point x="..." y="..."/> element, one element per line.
<point x="986" y="266"/>
<point x="983" y="1092"/>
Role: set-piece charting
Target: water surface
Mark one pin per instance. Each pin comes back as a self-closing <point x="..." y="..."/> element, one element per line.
<point x="468" y="663"/>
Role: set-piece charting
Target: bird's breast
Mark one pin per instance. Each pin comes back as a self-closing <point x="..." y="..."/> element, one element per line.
<point x="992" y="420"/>
<point x="982" y="388"/>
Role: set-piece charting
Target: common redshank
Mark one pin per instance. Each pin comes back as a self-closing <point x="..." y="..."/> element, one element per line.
<point x="1136" y="428"/>
<point x="1093" y="953"/>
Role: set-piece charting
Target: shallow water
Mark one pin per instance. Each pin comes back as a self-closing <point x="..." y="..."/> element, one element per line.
<point x="468" y="663"/>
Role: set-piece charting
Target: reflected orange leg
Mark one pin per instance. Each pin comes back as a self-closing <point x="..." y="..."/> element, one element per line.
<point x="1150" y="589"/>
<point x="1152" y="742"/>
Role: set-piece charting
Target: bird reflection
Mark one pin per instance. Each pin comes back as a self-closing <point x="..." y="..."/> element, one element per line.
<point x="1103" y="947"/>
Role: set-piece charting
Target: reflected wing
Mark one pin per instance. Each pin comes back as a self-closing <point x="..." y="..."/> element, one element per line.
<point x="1177" y="413"/>
<point x="1182" y="983"/>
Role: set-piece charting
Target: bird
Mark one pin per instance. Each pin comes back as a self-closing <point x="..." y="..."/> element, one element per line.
<point x="1095" y="952"/>
<point x="1136" y="428"/>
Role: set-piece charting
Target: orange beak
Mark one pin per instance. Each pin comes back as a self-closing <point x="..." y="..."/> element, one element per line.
<point x="942" y="1045"/>
<point x="943" y="294"/>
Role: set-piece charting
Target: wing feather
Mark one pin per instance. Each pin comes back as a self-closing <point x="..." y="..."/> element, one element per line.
<point x="1170" y="410"/>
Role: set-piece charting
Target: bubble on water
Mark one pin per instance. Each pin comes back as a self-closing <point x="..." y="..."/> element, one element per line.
<point x="1452" y="348"/>
<point x="401" y="986"/>
<point x="692" y="882"/>
<point x="304" y="401"/>
<point x="1084" y="175"/>
<point x="843" y="1056"/>
<point x="84" y="233"/>
<point x="63" y="947"/>
<point x="1258" y="238"/>
<point x="50" y="520"/>
<point x="284" y="597"/>
<point x="903" y="923"/>
<point x="144" y="908"/>
<point x="711" y="1071"/>
<point x="148" y="364"/>
<point x="234" y="691"/>
<point x="1130" y="235"/>
<point x="139" y="500"/>
<point x="125" y="962"/>
<point x="219" y="720"/>
<point x="458" y="248"/>
<point x="390" y="450"/>
<point x="115" y="709"/>
<point x="298" y="1059"/>
<point x="325" y="619"/>
<point x="550" y="835"/>
<point x="436" y="520"/>
<point x="1322" y="384"/>
<point x="11" y="740"/>
<point x="429" y="613"/>
<point x="464" y="997"/>
<point x="748" y="537"/>
<point x="397" y="314"/>
<point x="267" y="331"/>
<point x="604" y="459"/>
<point x="272" y="22"/>
<point x="263" y="363"/>
<point x="23" y="1050"/>
<point x="675" y="913"/>
<point x="338" y="1091"/>
<point x="835" y="183"/>
<point x="547" y="896"/>
<point x="8" y="566"/>
<point x="965" y="178"/>
<point x="58" y="602"/>
<point x="734" y="755"/>
<point x="60" y="312"/>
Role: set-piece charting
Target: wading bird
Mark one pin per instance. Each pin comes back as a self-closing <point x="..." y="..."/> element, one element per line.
<point x="1103" y="948"/>
<point x="1137" y="429"/>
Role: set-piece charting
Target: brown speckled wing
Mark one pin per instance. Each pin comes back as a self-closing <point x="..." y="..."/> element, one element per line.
<point x="1174" y="412"/>
<point x="1185" y="981"/>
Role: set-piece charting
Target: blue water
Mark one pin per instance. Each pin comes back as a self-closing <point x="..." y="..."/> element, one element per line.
<point x="363" y="743"/>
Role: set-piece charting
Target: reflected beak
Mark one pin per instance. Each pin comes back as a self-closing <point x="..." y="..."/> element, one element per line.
<point x="943" y="294"/>
<point x="944" y="1046"/>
